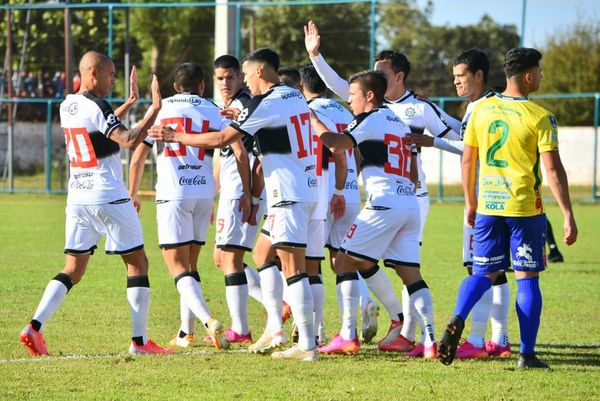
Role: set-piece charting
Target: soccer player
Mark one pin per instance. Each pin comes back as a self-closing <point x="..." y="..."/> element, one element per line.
<point x="388" y="226"/>
<point x="184" y="201"/>
<point x="419" y="115"/>
<point x="289" y="76"/>
<point x="98" y="203"/>
<point x="509" y="134"/>
<point x="279" y="119"/>
<point x="470" y="79"/>
<point x="312" y="87"/>
<point x="234" y="237"/>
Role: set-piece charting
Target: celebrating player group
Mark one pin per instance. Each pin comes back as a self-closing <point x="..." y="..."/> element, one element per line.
<point x="281" y="152"/>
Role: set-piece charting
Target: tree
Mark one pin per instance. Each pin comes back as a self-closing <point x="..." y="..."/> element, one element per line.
<point x="571" y="63"/>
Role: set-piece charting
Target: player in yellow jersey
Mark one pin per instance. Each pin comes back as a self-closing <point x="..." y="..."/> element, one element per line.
<point x="509" y="135"/>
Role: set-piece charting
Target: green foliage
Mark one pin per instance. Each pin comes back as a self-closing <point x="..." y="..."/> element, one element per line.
<point x="571" y="63"/>
<point x="89" y="334"/>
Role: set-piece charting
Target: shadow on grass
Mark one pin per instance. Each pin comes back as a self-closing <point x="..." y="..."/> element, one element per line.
<point x="571" y="354"/>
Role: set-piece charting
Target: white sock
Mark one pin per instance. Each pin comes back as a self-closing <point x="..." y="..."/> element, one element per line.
<point x="272" y="293"/>
<point x="499" y="313"/>
<point x="236" y="293"/>
<point x="138" y="295"/>
<point x="318" y="294"/>
<point x="347" y="284"/>
<point x="479" y="319"/>
<point x="365" y="296"/>
<point x="421" y="299"/>
<point x="187" y="318"/>
<point x="411" y="317"/>
<point x="339" y="299"/>
<point x="253" y="283"/>
<point x="53" y="297"/>
<point x="301" y="302"/>
<point x="284" y="296"/>
<point x="191" y="294"/>
<point x="379" y="283"/>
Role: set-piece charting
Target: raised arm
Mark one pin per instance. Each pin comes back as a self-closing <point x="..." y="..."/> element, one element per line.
<point x="338" y="202"/>
<point x="209" y="140"/>
<point x="337" y="143"/>
<point x="559" y="184"/>
<point x="134" y="95"/>
<point x="132" y="137"/>
<point x="312" y="41"/>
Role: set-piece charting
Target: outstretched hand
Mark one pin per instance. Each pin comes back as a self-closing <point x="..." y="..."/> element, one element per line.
<point x="312" y="39"/>
<point x="156" y="96"/>
<point x="134" y="93"/>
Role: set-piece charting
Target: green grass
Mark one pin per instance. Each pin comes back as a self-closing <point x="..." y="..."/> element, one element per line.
<point x="94" y="323"/>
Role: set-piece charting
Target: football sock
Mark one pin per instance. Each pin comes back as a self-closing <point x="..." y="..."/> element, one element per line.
<point x="318" y="294"/>
<point x="301" y="302"/>
<point x="272" y="292"/>
<point x="499" y="310"/>
<point x="339" y="299"/>
<point x="253" y="283"/>
<point x="420" y="297"/>
<point x="52" y="299"/>
<point x="350" y="293"/>
<point x="236" y="293"/>
<point x="469" y="292"/>
<point x="479" y="318"/>
<point x="379" y="283"/>
<point x="138" y="295"/>
<point x="190" y="292"/>
<point x="187" y="316"/>
<point x="365" y="297"/>
<point x="529" y="310"/>
<point x="411" y="317"/>
<point x="283" y="286"/>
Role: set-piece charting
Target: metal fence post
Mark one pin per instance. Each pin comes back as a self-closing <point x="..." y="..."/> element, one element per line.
<point x="238" y="30"/>
<point x="595" y="174"/>
<point x="373" y="25"/>
<point x="440" y="192"/>
<point x="48" y="153"/>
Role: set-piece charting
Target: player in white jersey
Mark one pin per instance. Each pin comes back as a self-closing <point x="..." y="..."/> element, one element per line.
<point x="327" y="205"/>
<point x="342" y="181"/>
<point x="185" y="190"/>
<point x="233" y="236"/>
<point x="418" y="114"/>
<point x="98" y="203"/>
<point x="470" y="79"/>
<point x="279" y="119"/>
<point x="388" y="226"/>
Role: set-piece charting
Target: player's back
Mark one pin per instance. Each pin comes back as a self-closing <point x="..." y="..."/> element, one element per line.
<point x="386" y="157"/>
<point x="96" y="175"/>
<point x="510" y="134"/>
<point x="185" y="172"/>
<point x="280" y="123"/>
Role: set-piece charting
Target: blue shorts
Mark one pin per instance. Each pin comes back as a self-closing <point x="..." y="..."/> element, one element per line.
<point x="497" y="238"/>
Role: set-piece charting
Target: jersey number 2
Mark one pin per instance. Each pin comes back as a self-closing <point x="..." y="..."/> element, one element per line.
<point x="490" y="158"/>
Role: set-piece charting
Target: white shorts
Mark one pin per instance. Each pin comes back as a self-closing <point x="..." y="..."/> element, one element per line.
<point x="424" y="208"/>
<point x="315" y="248"/>
<point x="335" y="230"/>
<point x="230" y="231"/>
<point x="288" y="224"/>
<point x="118" y="222"/>
<point x="388" y="234"/>
<point x="183" y="222"/>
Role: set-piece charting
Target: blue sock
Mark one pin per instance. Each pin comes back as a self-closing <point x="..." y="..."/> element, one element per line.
<point x="529" y="310"/>
<point x="469" y="292"/>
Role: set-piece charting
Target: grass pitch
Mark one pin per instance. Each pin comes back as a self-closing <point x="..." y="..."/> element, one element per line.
<point x="89" y="335"/>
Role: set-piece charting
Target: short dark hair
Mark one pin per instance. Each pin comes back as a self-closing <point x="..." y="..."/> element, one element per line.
<point x="475" y="60"/>
<point x="227" y="61"/>
<point x="188" y="76"/>
<point x="311" y="80"/>
<point x="371" y="81"/>
<point x="520" y="60"/>
<point x="289" y="76"/>
<point x="264" y="55"/>
<point x="398" y="61"/>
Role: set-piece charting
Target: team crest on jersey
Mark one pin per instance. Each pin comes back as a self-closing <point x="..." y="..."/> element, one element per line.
<point x="553" y="122"/>
<point x="242" y="117"/>
<point x="410" y="112"/>
<point x="73" y="107"/>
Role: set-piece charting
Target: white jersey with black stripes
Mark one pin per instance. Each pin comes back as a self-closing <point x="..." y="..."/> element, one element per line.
<point x="185" y="172"/>
<point x="96" y="175"/>
<point x="279" y="120"/>
<point x="386" y="156"/>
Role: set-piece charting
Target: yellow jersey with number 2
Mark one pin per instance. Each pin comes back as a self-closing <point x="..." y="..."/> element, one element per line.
<point x="510" y="134"/>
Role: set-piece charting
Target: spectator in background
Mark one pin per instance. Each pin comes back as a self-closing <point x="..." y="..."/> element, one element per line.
<point x="30" y="84"/>
<point x="58" y="84"/>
